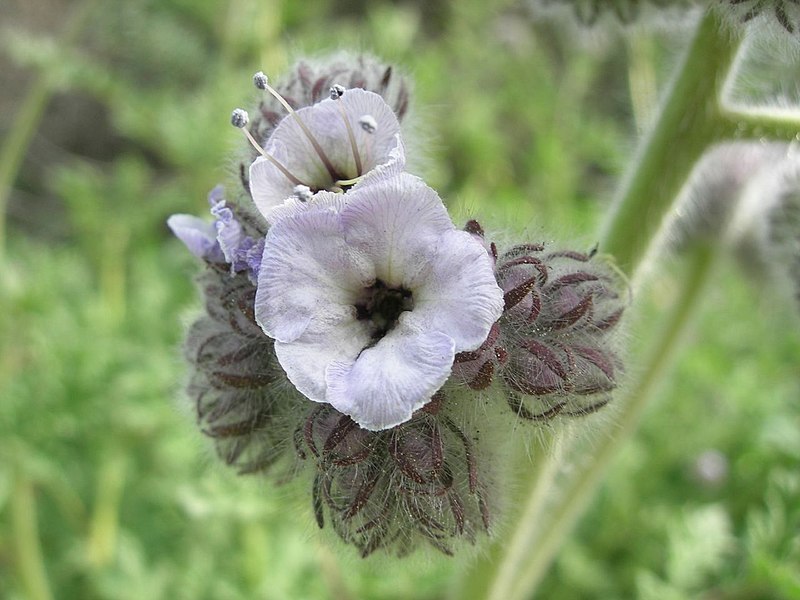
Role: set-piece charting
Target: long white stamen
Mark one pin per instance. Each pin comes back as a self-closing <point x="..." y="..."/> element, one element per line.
<point x="262" y="83"/>
<point x="337" y="92"/>
<point x="240" y="119"/>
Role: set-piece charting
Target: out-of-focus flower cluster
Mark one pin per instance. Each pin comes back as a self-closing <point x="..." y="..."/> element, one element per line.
<point x="747" y="194"/>
<point x="351" y="327"/>
<point x="784" y="14"/>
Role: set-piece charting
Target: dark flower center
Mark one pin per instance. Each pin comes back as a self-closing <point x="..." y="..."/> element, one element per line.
<point x="382" y="306"/>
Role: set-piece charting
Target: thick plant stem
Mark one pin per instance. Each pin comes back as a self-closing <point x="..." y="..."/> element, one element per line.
<point x="580" y="489"/>
<point x="689" y="122"/>
<point x="519" y="547"/>
<point x="27" y="550"/>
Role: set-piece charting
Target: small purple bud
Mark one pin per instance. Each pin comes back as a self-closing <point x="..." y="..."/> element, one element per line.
<point x="419" y="479"/>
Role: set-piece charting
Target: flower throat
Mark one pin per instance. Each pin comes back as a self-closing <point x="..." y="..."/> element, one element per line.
<point x="382" y="306"/>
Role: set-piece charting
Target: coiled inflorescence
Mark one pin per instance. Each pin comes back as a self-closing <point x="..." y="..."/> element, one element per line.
<point x="351" y="333"/>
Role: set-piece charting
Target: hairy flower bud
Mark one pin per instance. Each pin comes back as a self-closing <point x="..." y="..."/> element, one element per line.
<point x="765" y="229"/>
<point x="553" y="346"/>
<point x="745" y="195"/>
<point x="237" y="386"/>
<point x="392" y="490"/>
<point x="590" y="12"/>
<point x="783" y="13"/>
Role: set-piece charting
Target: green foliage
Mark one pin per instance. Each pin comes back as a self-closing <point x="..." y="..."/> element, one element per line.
<point x="519" y="126"/>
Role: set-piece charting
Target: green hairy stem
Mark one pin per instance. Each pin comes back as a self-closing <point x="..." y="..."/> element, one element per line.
<point x="689" y="122"/>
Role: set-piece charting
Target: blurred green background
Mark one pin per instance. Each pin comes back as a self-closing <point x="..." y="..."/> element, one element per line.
<point x="114" y="115"/>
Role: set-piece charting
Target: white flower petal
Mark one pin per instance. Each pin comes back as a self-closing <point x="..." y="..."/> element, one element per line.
<point x="397" y="223"/>
<point x="268" y="186"/>
<point x="319" y="201"/>
<point x="375" y="147"/>
<point x="394" y="165"/>
<point x="457" y="293"/>
<point x="290" y="146"/>
<point x="306" y="358"/>
<point x="388" y="382"/>
<point x="307" y="274"/>
<point x="321" y="260"/>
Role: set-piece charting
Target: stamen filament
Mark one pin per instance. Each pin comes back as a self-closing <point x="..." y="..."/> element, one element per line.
<point x="317" y="148"/>
<point x="352" y="137"/>
<point x="288" y="174"/>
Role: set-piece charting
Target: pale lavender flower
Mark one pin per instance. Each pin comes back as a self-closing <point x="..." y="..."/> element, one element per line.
<point x="369" y="300"/>
<point x="309" y="81"/>
<point x="198" y="235"/>
<point x="241" y="251"/>
<point x="221" y="241"/>
<point x="357" y="134"/>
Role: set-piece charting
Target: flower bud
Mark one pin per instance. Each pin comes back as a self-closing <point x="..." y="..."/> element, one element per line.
<point x="237" y="386"/>
<point x="781" y="15"/>
<point x="765" y="229"/>
<point x="392" y="490"/>
<point x="554" y="346"/>
<point x="589" y="12"/>
<point x="744" y="195"/>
